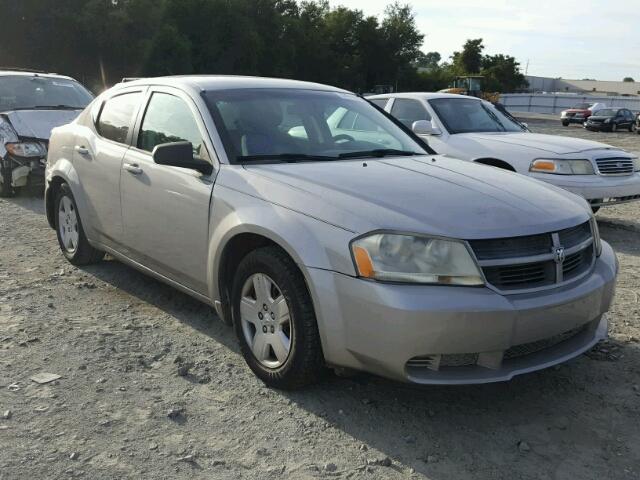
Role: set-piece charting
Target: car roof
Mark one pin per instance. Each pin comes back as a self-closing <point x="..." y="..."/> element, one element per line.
<point x="421" y="95"/>
<point x="227" y="82"/>
<point x="24" y="73"/>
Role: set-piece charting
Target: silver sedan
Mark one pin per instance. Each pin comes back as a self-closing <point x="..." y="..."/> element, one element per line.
<point x="327" y="233"/>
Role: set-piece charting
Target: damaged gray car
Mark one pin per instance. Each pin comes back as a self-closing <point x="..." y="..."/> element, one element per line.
<point x="31" y="104"/>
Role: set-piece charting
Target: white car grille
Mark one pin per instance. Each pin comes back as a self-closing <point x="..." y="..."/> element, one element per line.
<point x="615" y="166"/>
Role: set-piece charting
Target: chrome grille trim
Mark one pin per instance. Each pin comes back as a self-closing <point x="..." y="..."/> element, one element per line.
<point x="615" y="166"/>
<point x="527" y="273"/>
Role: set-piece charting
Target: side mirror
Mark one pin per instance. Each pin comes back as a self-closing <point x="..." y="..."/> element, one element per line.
<point x="180" y="154"/>
<point x="424" y="127"/>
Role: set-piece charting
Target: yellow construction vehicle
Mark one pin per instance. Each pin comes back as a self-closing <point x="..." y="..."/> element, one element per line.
<point x="472" y="85"/>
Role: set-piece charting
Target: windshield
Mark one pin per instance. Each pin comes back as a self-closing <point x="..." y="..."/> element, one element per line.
<point x="583" y="106"/>
<point x="22" y="92"/>
<point x="290" y="125"/>
<point x="607" y="112"/>
<point x="466" y="115"/>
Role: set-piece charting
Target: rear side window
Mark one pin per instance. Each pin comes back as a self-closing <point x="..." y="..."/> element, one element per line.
<point x="116" y="116"/>
<point x="169" y="119"/>
<point x="408" y="111"/>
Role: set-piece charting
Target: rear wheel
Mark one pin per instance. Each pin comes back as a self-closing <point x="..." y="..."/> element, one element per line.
<point x="73" y="242"/>
<point x="274" y="320"/>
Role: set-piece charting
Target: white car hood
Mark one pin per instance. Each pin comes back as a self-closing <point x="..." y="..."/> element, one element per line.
<point x="536" y="141"/>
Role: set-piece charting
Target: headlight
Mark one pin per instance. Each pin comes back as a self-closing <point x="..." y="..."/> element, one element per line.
<point x="596" y="235"/>
<point x="395" y="257"/>
<point x="562" y="167"/>
<point x="607" y="120"/>
<point x="26" y="149"/>
<point x="636" y="164"/>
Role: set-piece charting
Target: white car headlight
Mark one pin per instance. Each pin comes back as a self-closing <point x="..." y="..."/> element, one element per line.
<point x="607" y="120"/>
<point x="562" y="167"/>
<point x="26" y="149"/>
<point x="395" y="257"/>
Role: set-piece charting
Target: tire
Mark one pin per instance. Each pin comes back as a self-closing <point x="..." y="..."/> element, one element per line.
<point x="565" y="124"/>
<point x="6" y="189"/>
<point x="614" y="127"/>
<point x="71" y="237"/>
<point x="632" y="127"/>
<point x="269" y="277"/>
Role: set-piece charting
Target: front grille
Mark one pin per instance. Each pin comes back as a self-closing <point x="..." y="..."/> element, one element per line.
<point x="615" y="166"/>
<point x="533" y="347"/>
<point x="534" y="261"/>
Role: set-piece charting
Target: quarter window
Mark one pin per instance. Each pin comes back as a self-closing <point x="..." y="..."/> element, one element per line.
<point x="169" y="119"/>
<point x="116" y="116"/>
<point x="380" y="102"/>
<point x="408" y="111"/>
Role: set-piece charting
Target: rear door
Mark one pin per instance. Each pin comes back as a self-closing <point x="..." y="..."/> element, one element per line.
<point x="165" y="209"/>
<point x="99" y="150"/>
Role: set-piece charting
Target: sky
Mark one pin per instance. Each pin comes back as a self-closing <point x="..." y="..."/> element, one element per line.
<point x="572" y="39"/>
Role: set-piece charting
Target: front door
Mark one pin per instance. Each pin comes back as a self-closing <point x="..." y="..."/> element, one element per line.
<point x="165" y="209"/>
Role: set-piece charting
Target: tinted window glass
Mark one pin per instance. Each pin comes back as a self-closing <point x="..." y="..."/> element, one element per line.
<point x="169" y="119"/>
<point x="409" y="111"/>
<point x="117" y="116"/>
<point x="465" y="115"/>
<point x="381" y="102"/>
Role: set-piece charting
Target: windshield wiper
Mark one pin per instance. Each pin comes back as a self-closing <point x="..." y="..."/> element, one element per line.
<point x="381" y="152"/>
<point x="495" y="118"/>
<point x="56" y="107"/>
<point x="285" y="157"/>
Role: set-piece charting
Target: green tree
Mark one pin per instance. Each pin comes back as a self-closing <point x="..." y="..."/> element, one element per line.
<point x="469" y="60"/>
<point x="502" y="73"/>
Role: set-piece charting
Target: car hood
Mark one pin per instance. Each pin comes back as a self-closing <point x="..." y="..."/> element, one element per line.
<point x="536" y="142"/>
<point x="428" y="194"/>
<point x="39" y="123"/>
<point x="600" y="117"/>
<point x="577" y="110"/>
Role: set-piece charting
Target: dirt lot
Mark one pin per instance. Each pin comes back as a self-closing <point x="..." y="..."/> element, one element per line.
<point x="152" y="386"/>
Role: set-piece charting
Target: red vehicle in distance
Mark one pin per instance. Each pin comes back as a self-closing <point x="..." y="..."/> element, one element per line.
<point x="580" y="113"/>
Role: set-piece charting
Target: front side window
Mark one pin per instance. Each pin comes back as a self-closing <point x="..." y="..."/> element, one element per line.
<point x="323" y="125"/>
<point x="24" y="92"/>
<point x="116" y="116"/>
<point x="381" y="102"/>
<point x="408" y="111"/>
<point x="466" y="115"/>
<point x="169" y="119"/>
<point x="607" y="112"/>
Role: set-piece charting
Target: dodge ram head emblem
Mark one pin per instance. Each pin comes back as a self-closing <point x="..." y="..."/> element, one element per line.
<point x="558" y="254"/>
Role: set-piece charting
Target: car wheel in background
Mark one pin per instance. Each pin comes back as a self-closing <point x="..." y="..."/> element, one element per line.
<point x="632" y="127"/>
<point x="6" y="189"/>
<point x="73" y="242"/>
<point x="614" y="127"/>
<point x="565" y="124"/>
<point x="274" y="320"/>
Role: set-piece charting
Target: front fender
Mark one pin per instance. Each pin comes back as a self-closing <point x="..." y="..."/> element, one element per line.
<point x="311" y="243"/>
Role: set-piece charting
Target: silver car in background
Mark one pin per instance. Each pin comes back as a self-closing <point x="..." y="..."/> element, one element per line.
<point x="354" y="247"/>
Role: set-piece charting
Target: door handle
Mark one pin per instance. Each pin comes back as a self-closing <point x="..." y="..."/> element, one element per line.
<point x="132" y="168"/>
<point x="82" y="150"/>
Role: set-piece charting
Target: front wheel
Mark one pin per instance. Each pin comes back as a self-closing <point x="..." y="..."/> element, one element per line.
<point x="565" y="124"/>
<point x="614" y="127"/>
<point x="6" y="189"/>
<point x="274" y="320"/>
<point x="632" y="127"/>
<point x="73" y="242"/>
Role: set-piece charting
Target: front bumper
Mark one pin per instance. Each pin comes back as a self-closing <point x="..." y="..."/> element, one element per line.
<point x="598" y="127"/>
<point x="598" y="189"/>
<point x="24" y="171"/>
<point x="573" y="119"/>
<point x="382" y="328"/>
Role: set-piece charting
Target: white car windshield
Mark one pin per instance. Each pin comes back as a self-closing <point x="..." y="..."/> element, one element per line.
<point x="23" y="92"/>
<point x="467" y="115"/>
<point x="294" y="125"/>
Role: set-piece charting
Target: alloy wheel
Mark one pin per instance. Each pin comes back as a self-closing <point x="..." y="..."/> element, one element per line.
<point x="266" y="320"/>
<point x="68" y="224"/>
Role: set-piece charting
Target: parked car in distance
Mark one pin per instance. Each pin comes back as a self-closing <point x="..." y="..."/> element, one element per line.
<point x="31" y="104"/>
<point x="325" y="244"/>
<point x="580" y="113"/>
<point x="638" y="123"/>
<point x="472" y="129"/>
<point x="611" y="120"/>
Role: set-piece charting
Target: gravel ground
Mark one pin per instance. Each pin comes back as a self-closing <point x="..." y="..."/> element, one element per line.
<point x="152" y="386"/>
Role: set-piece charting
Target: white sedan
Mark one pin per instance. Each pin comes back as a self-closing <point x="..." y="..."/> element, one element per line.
<point x="475" y="130"/>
